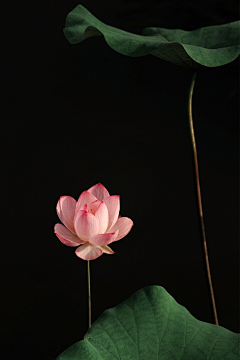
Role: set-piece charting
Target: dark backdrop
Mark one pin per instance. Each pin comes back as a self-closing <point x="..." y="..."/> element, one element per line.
<point x="74" y="116"/>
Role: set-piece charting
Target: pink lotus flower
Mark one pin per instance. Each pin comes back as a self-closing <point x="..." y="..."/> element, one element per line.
<point x="92" y="222"/>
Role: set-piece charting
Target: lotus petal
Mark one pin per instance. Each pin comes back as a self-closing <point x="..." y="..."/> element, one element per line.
<point x="113" y="205"/>
<point x="86" y="225"/>
<point x="102" y="215"/>
<point x="88" y="252"/>
<point x="107" y="250"/>
<point x="66" y="210"/>
<point x="94" y="206"/>
<point x="103" y="239"/>
<point x="99" y="191"/>
<point x="66" y="237"/>
<point x="124" y="225"/>
<point x="85" y="198"/>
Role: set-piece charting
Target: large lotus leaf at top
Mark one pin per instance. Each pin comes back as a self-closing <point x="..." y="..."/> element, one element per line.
<point x="151" y="325"/>
<point x="205" y="47"/>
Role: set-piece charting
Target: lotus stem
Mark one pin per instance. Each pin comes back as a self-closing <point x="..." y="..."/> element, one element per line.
<point x="89" y="294"/>
<point x="199" y="194"/>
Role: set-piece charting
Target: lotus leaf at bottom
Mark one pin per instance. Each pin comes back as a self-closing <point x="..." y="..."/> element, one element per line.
<point x="151" y="325"/>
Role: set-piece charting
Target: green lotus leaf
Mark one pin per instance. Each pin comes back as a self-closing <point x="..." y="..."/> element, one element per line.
<point x="208" y="46"/>
<point x="151" y="325"/>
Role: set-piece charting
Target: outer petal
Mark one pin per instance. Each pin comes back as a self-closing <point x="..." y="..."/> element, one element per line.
<point x="113" y="206"/>
<point x="124" y="225"/>
<point x="66" y="210"/>
<point x="103" y="239"/>
<point x="66" y="237"/>
<point x="86" y="225"/>
<point x="106" y="249"/>
<point x="88" y="252"/>
<point x="99" y="191"/>
<point x="102" y="216"/>
<point x="85" y="198"/>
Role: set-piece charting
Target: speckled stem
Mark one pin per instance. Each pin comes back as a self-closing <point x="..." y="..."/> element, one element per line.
<point x="199" y="193"/>
<point x="89" y="294"/>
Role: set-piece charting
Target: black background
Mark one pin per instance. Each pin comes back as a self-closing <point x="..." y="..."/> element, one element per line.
<point x="76" y="115"/>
